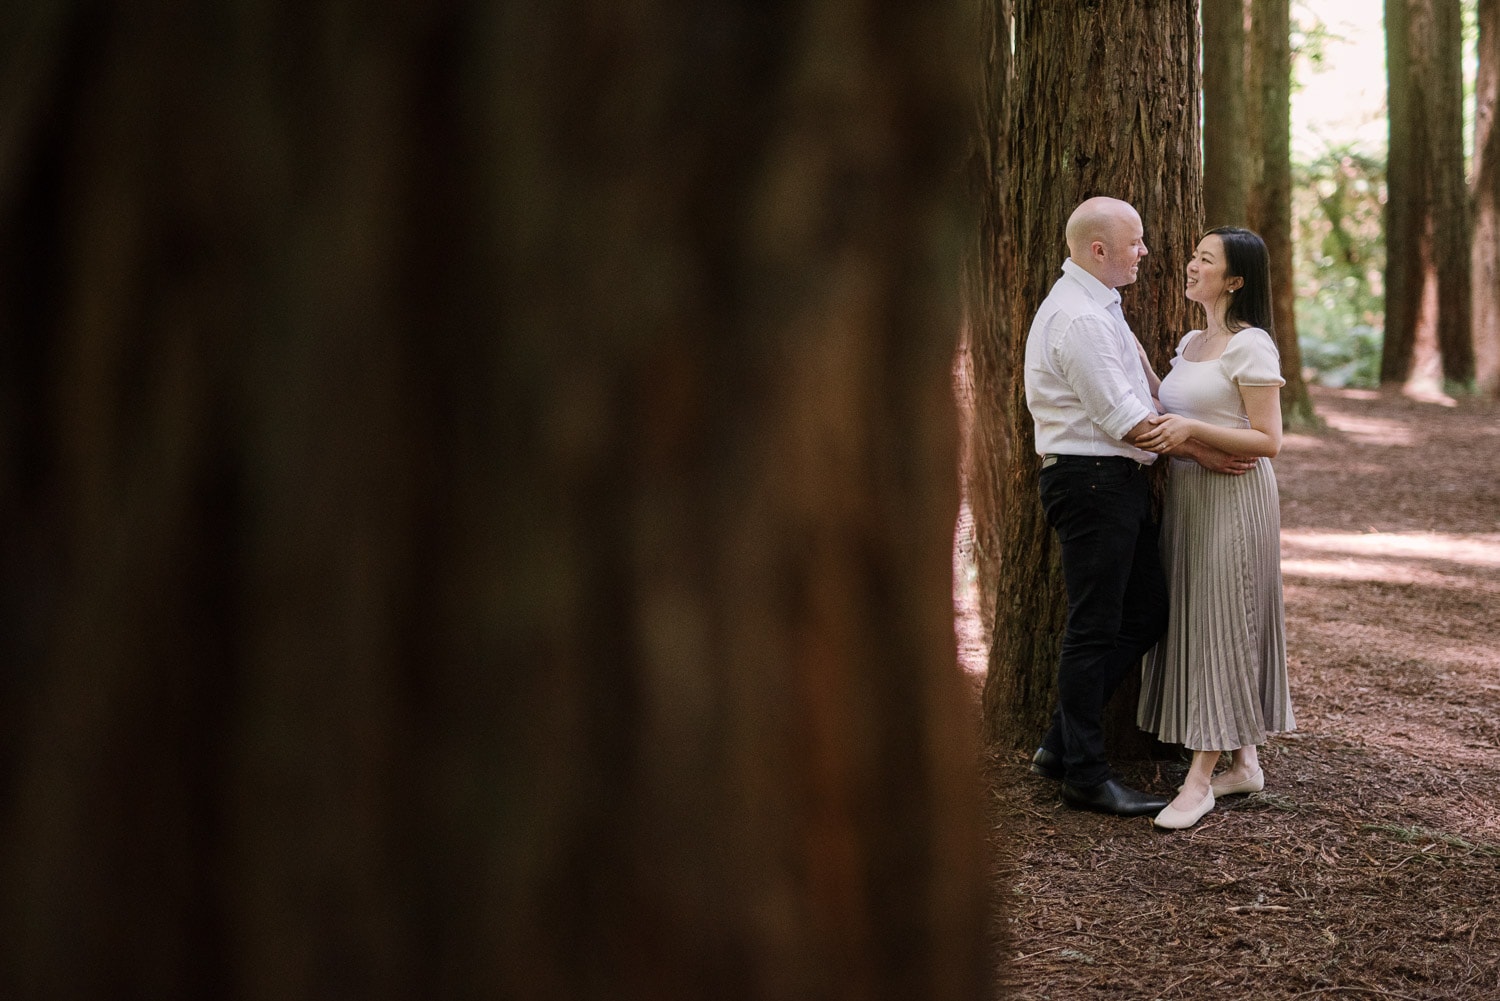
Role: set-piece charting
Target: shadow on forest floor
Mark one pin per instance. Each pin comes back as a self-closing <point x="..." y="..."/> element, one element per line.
<point x="1370" y="865"/>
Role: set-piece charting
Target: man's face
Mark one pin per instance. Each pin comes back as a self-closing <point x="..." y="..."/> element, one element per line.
<point x="1121" y="252"/>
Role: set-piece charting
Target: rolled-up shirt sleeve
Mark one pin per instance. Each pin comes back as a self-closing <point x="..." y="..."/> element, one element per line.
<point x="1086" y="354"/>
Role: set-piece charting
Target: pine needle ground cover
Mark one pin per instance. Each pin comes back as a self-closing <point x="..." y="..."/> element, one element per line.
<point x="1370" y="865"/>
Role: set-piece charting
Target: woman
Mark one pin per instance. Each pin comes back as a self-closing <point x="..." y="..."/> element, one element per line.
<point x="1217" y="681"/>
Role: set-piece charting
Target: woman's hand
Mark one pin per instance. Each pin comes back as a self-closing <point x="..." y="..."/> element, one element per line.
<point x="1168" y="433"/>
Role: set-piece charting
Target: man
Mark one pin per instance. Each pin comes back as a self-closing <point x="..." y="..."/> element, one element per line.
<point x="1091" y="390"/>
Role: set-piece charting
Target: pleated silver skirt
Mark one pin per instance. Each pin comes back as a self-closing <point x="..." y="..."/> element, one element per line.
<point x="1218" y="678"/>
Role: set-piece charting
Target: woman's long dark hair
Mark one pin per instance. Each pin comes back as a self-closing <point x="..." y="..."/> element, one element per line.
<point x="1246" y="257"/>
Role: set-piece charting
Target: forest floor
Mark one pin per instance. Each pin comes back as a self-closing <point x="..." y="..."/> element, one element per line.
<point x="1369" y="867"/>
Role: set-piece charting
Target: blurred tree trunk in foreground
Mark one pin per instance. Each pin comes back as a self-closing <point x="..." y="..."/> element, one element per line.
<point x="1104" y="102"/>
<point x="1486" y="268"/>
<point x="478" y="490"/>
<point x="1428" y="259"/>
<point x="1270" y="202"/>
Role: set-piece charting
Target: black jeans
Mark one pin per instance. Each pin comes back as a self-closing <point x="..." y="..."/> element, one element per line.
<point x="1117" y="597"/>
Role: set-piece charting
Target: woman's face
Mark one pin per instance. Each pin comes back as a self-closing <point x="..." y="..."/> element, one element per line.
<point x="1208" y="278"/>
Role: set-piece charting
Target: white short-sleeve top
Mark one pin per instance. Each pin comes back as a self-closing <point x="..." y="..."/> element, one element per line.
<point x="1209" y="391"/>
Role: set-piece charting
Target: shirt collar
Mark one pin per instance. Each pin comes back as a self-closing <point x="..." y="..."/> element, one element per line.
<point x="1096" y="289"/>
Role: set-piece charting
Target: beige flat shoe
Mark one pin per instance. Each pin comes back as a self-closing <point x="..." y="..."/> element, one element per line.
<point x="1177" y="820"/>
<point x="1255" y="783"/>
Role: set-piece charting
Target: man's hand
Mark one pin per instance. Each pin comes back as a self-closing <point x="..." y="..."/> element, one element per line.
<point x="1216" y="460"/>
<point x="1144" y="436"/>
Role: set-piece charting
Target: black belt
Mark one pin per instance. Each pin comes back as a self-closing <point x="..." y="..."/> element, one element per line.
<point x="1052" y="459"/>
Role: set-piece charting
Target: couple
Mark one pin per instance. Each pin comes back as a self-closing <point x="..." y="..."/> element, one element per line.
<point x="1203" y="595"/>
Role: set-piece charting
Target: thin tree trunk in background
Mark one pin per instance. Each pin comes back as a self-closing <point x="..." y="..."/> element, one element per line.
<point x="1406" y="199"/>
<point x="1227" y="162"/>
<point x="479" y="490"/>
<point x="1271" y="212"/>
<point x="1441" y="41"/>
<point x="986" y="443"/>
<point x="1486" y="264"/>
<point x="1104" y="103"/>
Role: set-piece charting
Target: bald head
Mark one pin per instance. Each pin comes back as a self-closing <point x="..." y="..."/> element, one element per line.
<point x="1106" y="240"/>
<point x="1098" y="219"/>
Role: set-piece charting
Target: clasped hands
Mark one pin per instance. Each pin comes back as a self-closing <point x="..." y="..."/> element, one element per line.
<point x="1172" y="434"/>
<point x="1168" y="433"/>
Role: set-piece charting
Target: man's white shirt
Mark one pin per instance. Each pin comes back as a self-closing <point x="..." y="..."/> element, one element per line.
<point x="1085" y="385"/>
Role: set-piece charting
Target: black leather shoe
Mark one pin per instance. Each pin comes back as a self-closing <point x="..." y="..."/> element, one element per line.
<point x="1110" y="796"/>
<point x="1047" y="765"/>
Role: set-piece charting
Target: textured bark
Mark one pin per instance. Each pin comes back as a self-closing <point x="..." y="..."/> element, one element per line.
<point x="1441" y="40"/>
<point x="1406" y="196"/>
<point x="1486" y="264"/>
<point x="1104" y="103"/>
<point x="986" y="437"/>
<point x="478" y="489"/>
<point x="1427" y="229"/>
<point x="1271" y="212"/>
<point x="1228" y="164"/>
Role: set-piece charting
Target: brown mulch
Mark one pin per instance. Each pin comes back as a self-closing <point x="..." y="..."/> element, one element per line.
<point x="1370" y="865"/>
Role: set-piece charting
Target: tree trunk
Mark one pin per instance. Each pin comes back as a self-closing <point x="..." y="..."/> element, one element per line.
<point x="478" y="494"/>
<point x="1486" y="264"/>
<point x="1427" y="230"/>
<point x="986" y="440"/>
<point x="1228" y="165"/>
<point x="1104" y="103"/>
<point x="1271" y="216"/>
<point x="1441" y="41"/>
<point x="1406" y="198"/>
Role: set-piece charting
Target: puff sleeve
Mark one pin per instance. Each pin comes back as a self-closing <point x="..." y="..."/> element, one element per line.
<point x="1251" y="359"/>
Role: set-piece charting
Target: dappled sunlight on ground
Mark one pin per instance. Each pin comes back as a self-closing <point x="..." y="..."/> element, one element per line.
<point x="1372" y="430"/>
<point x="1393" y="573"/>
<point x="1472" y="549"/>
<point x="1430" y="558"/>
<point x="1293" y="441"/>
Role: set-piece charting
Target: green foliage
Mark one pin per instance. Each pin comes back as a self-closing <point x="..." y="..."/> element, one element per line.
<point x="1310" y="38"/>
<point x="1336" y="208"/>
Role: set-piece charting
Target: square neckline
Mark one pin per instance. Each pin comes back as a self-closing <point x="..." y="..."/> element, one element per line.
<point x="1191" y="337"/>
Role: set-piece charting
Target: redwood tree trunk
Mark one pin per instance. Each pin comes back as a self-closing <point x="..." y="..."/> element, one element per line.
<point x="986" y="439"/>
<point x="1271" y="213"/>
<point x="1486" y="265"/>
<point x="1406" y="197"/>
<point x="1427" y="245"/>
<point x="1228" y="163"/>
<point x="1104" y="103"/>
<point x="1442" y="54"/>
<point x="478" y="488"/>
